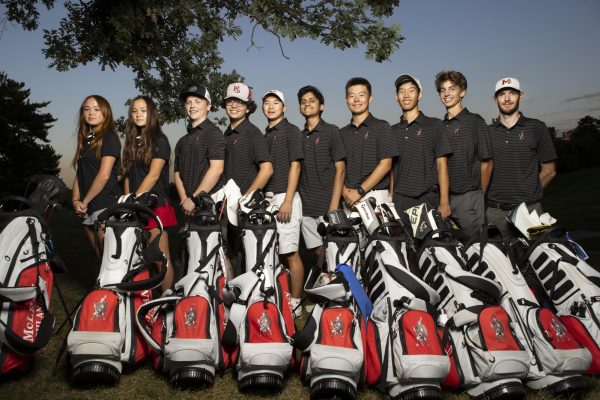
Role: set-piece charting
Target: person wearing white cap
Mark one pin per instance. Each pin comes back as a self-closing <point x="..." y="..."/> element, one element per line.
<point x="200" y="154"/>
<point x="285" y="144"/>
<point x="421" y="170"/>
<point x="524" y="158"/>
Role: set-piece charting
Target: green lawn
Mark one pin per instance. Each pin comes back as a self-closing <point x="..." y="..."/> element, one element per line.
<point x="573" y="199"/>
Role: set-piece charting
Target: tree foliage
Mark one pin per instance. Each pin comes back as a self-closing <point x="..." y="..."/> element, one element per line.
<point x="582" y="150"/>
<point x="171" y="44"/>
<point x="24" y="148"/>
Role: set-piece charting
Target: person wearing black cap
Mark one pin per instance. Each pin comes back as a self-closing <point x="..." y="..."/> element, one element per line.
<point x="470" y="165"/>
<point x="200" y="154"/>
<point x="524" y="158"/>
<point x="421" y="170"/>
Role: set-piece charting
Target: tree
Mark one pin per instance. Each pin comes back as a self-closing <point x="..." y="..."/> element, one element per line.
<point x="24" y="148"/>
<point x="169" y="44"/>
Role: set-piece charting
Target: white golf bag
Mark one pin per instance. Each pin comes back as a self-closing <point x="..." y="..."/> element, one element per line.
<point x="332" y="339"/>
<point x="557" y="360"/>
<point x="487" y="359"/>
<point x="404" y="351"/>
<point x="104" y="333"/>
<point x="27" y="267"/>
<point x="188" y="321"/>
<point x="260" y="321"/>
<point x="560" y="266"/>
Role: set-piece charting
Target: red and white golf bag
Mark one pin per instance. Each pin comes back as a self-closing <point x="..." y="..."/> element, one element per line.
<point x="27" y="263"/>
<point x="405" y="357"/>
<point x="560" y="266"/>
<point x="488" y="361"/>
<point x="260" y="321"/>
<point x="104" y="333"/>
<point x="188" y="321"/>
<point x="557" y="360"/>
<point x="332" y="342"/>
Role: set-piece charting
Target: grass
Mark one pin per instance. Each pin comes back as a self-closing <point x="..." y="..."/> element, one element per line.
<point x="572" y="198"/>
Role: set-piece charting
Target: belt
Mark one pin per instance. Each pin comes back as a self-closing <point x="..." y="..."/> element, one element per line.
<point x="507" y="206"/>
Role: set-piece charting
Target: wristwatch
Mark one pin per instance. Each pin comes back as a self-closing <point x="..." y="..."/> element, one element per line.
<point x="360" y="190"/>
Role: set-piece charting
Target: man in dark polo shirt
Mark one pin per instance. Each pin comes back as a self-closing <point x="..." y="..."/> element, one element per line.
<point x="524" y="158"/>
<point x="323" y="167"/>
<point x="370" y="148"/>
<point x="470" y="165"/>
<point x="286" y="147"/>
<point x="200" y="154"/>
<point x="421" y="171"/>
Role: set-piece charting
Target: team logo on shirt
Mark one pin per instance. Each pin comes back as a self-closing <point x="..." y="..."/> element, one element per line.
<point x="419" y="132"/>
<point x="366" y="135"/>
<point x="317" y="139"/>
<point x="235" y="141"/>
<point x="456" y="130"/>
<point x="522" y="135"/>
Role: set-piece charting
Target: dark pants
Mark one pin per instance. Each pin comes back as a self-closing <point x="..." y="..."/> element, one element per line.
<point x="469" y="212"/>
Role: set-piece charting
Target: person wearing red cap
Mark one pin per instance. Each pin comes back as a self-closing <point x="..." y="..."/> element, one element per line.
<point x="524" y="158"/>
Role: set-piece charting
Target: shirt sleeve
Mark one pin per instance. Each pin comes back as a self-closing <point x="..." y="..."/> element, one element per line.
<point x="338" y="152"/>
<point x="176" y="164"/>
<point x="546" y="150"/>
<point x="442" y="144"/>
<point x="296" y="145"/>
<point x="260" y="148"/>
<point x="387" y="144"/>
<point x="111" y="146"/>
<point x="484" y="147"/>
<point x="162" y="148"/>
<point x="216" y="145"/>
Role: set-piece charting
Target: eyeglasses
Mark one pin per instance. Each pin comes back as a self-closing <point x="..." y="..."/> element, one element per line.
<point x="234" y="102"/>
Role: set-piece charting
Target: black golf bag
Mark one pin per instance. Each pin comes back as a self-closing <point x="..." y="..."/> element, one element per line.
<point x="104" y="333"/>
<point x="405" y="355"/>
<point x="557" y="360"/>
<point x="188" y="322"/>
<point x="260" y="321"/>
<point x="27" y="266"/>
<point x="332" y="341"/>
<point x="560" y="267"/>
<point x="487" y="359"/>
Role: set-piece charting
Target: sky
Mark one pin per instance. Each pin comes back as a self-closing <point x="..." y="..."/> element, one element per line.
<point x="551" y="46"/>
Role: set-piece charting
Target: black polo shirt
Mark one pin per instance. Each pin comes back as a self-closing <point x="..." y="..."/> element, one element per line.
<point x="323" y="147"/>
<point x="246" y="148"/>
<point x="470" y="142"/>
<point x="286" y="146"/>
<point x="139" y="170"/>
<point x="419" y="144"/>
<point x="194" y="151"/>
<point x="366" y="145"/>
<point x="88" y="166"/>
<point x="518" y="152"/>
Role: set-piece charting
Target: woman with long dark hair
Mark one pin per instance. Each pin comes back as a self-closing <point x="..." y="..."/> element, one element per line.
<point x="98" y="148"/>
<point x="146" y="158"/>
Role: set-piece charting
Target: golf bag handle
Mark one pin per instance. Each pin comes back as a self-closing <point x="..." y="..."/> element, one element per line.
<point x="129" y="285"/>
<point x="128" y="208"/>
<point x="141" y="316"/>
<point x="20" y="199"/>
<point x="18" y="344"/>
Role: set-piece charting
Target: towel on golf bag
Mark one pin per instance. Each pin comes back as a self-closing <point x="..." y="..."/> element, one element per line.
<point x="26" y="274"/>
<point x="105" y="334"/>
<point x="555" y="355"/>
<point x="560" y="266"/>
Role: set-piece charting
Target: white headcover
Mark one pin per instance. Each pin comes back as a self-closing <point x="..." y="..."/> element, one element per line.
<point x="523" y="220"/>
<point x="232" y="193"/>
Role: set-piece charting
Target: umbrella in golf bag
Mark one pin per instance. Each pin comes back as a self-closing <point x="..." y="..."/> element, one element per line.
<point x="560" y="266"/>
<point x="189" y="320"/>
<point x="27" y="266"/>
<point x="405" y="355"/>
<point x="557" y="360"/>
<point x="260" y="318"/>
<point x="332" y="339"/>
<point x="104" y="333"/>
<point x="487" y="359"/>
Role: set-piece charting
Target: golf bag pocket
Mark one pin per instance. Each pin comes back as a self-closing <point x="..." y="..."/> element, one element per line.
<point x="373" y="353"/>
<point x="557" y="350"/>
<point x="581" y="329"/>
<point x="458" y="375"/>
<point x="496" y="352"/>
<point x="417" y="348"/>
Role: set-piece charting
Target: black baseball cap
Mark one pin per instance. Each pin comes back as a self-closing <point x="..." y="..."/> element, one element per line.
<point x="196" y="90"/>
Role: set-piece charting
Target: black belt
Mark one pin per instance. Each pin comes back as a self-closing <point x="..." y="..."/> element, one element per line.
<point x="508" y="206"/>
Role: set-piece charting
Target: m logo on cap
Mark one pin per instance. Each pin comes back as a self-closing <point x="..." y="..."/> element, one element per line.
<point x="506" y="82"/>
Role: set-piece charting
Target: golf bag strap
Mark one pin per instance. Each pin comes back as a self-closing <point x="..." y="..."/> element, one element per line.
<point x="20" y="199"/>
<point x="302" y="340"/>
<point x="18" y="294"/>
<point x="128" y="208"/>
<point x="141" y="319"/>
<point x="360" y="297"/>
<point x="206" y="260"/>
<point x="260" y="261"/>
<point x="127" y="284"/>
<point x="42" y="337"/>
<point x="236" y="317"/>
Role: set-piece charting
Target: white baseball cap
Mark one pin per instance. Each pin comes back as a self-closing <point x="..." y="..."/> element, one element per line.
<point x="507" y="83"/>
<point x="276" y="93"/>
<point x="240" y="91"/>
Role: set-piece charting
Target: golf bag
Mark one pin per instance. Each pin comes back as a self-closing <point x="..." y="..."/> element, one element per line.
<point x="332" y="341"/>
<point x="559" y="265"/>
<point x="486" y="358"/>
<point x="189" y="321"/>
<point x="260" y="321"/>
<point x="27" y="266"/>
<point x="557" y="360"/>
<point x="104" y="333"/>
<point x="404" y="352"/>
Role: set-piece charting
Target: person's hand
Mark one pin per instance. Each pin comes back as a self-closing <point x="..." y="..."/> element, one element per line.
<point x="188" y="206"/>
<point x="351" y="197"/>
<point x="80" y="208"/>
<point x="444" y="210"/>
<point x="285" y="211"/>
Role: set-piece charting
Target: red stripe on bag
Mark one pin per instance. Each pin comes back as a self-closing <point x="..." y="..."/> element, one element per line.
<point x="335" y="327"/>
<point x="263" y="324"/>
<point x="494" y="323"/>
<point x="583" y="337"/>
<point x="555" y="331"/>
<point x="98" y="312"/>
<point x="190" y="318"/>
<point x="420" y="333"/>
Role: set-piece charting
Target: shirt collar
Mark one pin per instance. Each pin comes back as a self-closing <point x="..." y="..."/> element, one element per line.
<point x="462" y="113"/>
<point x="277" y="127"/>
<point x="237" y="129"/>
<point x="418" y="120"/>
<point x="367" y="121"/>
<point x="521" y="121"/>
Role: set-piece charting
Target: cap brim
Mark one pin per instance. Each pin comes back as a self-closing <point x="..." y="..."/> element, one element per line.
<point x="274" y="95"/>
<point x="406" y="79"/>
<point x="505" y="88"/>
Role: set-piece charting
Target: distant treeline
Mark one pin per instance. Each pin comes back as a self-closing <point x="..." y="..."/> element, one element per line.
<point x="579" y="148"/>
